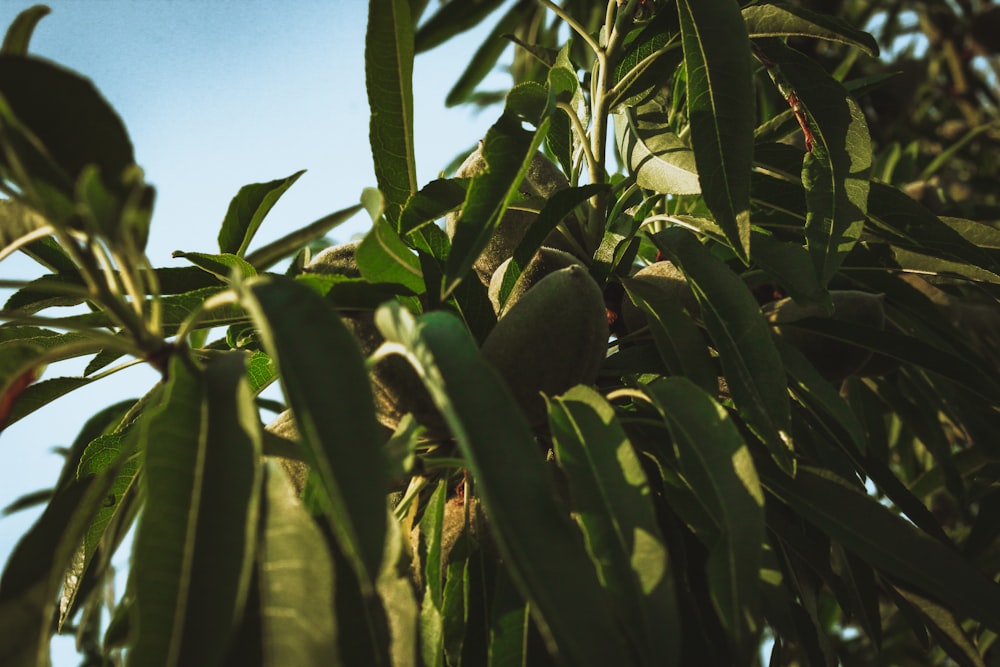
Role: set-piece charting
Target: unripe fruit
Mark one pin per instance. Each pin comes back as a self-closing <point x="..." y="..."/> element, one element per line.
<point x="552" y="339"/>
<point x="545" y="261"/>
<point x="834" y="360"/>
<point x="543" y="179"/>
<point x="397" y="388"/>
<point x="666" y="277"/>
<point x="283" y="426"/>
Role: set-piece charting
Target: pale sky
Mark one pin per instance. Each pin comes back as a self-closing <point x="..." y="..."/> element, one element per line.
<point x="217" y="95"/>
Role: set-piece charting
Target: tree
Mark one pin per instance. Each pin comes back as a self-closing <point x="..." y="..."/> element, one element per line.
<point x="726" y="382"/>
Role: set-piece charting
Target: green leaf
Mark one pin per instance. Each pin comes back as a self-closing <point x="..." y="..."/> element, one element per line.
<point x="508" y="151"/>
<point x="484" y="60"/>
<point x="715" y="461"/>
<point x="288" y="245"/>
<point x="431" y="621"/>
<point x="433" y="201"/>
<point x="15" y="42"/>
<point x="326" y="385"/>
<point x="838" y="158"/>
<point x="908" y="349"/>
<point x="194" y="545"/>
<point x="558" y="206"/>
<point x="545" y="556"/>
<point x="615" y="510"/>
<point x="383" y="257"/>
<point x="221" y="265"/>
<point x="38" y="92"/>
<point x="906" y="222"/>
<point x="750" y="361"/>
<point x="452" y="19"/>
<point x="719" y="84"/>
<point x="247" y="210"/>
<point x="16" y="222"/>
<point x="782" y="19"/>
<point x="295" y="575"/>
<point x="678" y="340"/>
<point x="888" y="542"/>
<point x="658" y="159"/>
<point x="791" y="266"/>
<point x="389" y="81"/>
<point x="40" y="394"/>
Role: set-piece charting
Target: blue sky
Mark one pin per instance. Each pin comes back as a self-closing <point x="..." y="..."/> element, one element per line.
<point x="217" y="95"/>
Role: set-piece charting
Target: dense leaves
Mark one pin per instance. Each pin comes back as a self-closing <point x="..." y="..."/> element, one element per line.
<point x="790" y="444"/>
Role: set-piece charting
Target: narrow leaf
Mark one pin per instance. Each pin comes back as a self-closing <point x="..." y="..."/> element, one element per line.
<point x="782" y="19"/>
<point x="716" y="462"/>
<point x="247" y="210"/>
<point x="389" y="81"/>
<point x="888" y="542"/>
<point x="749" y="359"/>
<point x="324" y="380"/>
<point x="15" y="42"/>
<point x="545" y="556"/>
<point x="383" y="257"/>
<point x="719" y="83"/>
<point x="615" y="510"/>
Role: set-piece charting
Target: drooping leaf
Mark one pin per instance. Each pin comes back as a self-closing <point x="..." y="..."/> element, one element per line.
<point x="545" y="556"/>
<point x="838" y="155"/>
<point x="193" y="548"/>
<point x="508" y="150"/>
<point x="389" y="82"/>
<point x="750" y="362"/>
<point x="431" y="202"/>
<point x="326" y="385"/>
<point x="719" y="83"/>
<point x="295" y="573"/>
<point x="16" y="222"/>
<point x="716" y="462"/>
<point x="37" y="92"/>
<point x="247" y="211"/>
<point x="780" y="19"/>
<point x="613" y="500"/>
<point x="888" y="542"/>
<point x="15" y="41"/>
<point x="484" y="60"/>
<point x="658" y="159"/>
<point x="450" y="20"/>
<point x="678" y="340"/>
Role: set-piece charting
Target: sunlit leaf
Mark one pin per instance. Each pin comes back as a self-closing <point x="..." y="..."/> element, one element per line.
<point x="389" y="82"/>
<point x="658" y="159"/>
<point x="781" y="19"/>
<point x="715" y="461"/>
<point x="247" y="211"/>
<point x="613" y="497"/>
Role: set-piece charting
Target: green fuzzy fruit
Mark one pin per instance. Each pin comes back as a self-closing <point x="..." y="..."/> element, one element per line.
<point x="834" y="360"/>
<point x="397" y="388"/>
<point x="666" y="277"/>
<point x="542" y="180"/>
<point x="545" y="261"/>
<point x="553" y="338"/>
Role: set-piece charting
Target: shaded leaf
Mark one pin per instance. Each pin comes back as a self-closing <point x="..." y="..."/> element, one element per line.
<point x="716" y="462"/>
<point x="780" y="19"/>
<point x="889" y="543"/>
<point x="750" y="362"/>
<point x="222" y="266"/>
<point x="193" y="547"/>
<point x="484" y="60"/>
<point x="268" y="255"/>
<point x="546" y="556"/>
<point x="15" y="41"/>
<point x="452" y="19"/>
<point x="614" y="507"/>
<point x="383" y="257"/>
<point x="326" y="385"/>
<point x="719" y="83"/>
